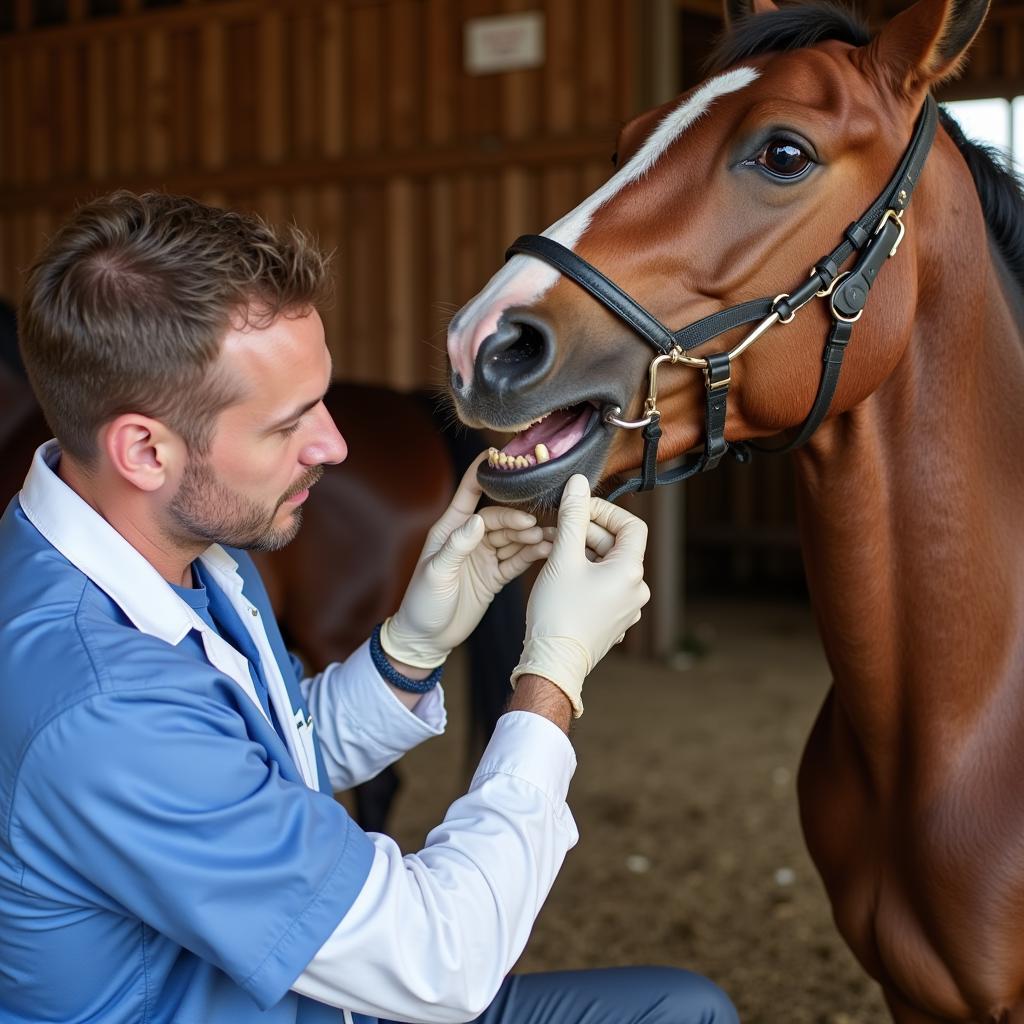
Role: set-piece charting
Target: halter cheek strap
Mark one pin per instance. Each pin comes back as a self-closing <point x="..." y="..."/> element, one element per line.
<point x="874" y="237"/>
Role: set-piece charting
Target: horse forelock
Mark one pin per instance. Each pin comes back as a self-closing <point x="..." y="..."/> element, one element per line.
<point x="789" y="28"/>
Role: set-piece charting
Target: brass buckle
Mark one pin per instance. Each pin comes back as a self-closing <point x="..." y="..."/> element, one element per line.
<point x="889" y="215"/>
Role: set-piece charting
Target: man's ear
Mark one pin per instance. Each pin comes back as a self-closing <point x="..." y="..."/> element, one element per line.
<point x="142" y="451"/>
<point x="735" y="10"/>
<point x="926" y="43"/>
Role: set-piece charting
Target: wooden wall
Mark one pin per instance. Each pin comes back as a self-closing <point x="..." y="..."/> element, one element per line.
<point x="352" y="117"/>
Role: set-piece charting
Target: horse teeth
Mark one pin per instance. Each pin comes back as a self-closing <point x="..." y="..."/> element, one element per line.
<point x="492" y="456"/>
<point x="541" y="453"/>
<point x="521" y="462"/>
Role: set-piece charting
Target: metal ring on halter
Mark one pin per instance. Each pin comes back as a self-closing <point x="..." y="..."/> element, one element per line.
<point x="783" y="319"/>
<point x="826" y="292"/>
<point x="611" y="416"/>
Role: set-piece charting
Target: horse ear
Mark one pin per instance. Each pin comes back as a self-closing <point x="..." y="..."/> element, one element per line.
<point x="734" y="10"/>
<point x="927" y="42"/>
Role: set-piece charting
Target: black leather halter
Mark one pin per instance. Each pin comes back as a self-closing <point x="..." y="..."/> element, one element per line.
<point x="874" y="237"/>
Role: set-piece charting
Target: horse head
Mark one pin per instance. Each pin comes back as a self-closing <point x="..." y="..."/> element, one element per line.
<point x="734" y="192"/>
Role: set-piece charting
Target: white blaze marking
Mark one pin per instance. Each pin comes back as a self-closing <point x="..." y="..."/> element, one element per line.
<point x="525" y="278"/>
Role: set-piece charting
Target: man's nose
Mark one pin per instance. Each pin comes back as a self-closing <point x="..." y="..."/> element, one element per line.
<point x="327" y="446"/>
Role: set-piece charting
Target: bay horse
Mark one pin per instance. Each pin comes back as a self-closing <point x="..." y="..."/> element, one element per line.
<point x="807" y="210"/>
<point x="363" y="527"/>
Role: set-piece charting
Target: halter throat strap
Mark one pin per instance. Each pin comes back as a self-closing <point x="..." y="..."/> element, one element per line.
<point x="875" y="236"/>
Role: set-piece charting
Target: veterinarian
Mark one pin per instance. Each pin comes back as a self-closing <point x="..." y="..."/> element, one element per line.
<point x="170" y="849"/>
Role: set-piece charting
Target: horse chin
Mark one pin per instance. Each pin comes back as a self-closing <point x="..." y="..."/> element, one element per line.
<point x="540" y="487"/>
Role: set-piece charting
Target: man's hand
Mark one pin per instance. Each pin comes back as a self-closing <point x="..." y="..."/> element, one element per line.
<point x="582" y="604"/>
<point x="467" y="559"/>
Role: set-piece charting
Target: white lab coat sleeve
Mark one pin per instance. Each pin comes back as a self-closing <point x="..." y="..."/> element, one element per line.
<point x="431" y="935"/>
<point x="362" y="726"/>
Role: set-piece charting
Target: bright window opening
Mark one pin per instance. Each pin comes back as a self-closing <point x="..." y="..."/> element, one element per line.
<point x="995" y="121"/>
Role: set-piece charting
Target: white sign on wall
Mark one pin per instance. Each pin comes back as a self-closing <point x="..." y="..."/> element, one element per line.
<point x="506" y="42"/>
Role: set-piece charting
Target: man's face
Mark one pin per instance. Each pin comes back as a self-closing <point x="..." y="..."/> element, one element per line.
<point x="269" y="447"/>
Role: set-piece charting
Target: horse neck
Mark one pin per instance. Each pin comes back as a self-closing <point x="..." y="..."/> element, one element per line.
<point x="911" y="505"/>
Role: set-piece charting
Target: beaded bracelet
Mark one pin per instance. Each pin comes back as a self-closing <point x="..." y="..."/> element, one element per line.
<point x="392" y="675"/>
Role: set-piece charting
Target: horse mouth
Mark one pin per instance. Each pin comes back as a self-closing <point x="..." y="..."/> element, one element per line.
<point x="535" y="463"/>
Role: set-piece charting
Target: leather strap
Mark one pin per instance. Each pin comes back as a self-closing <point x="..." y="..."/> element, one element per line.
<point x="715" y="407"/>
<point x="832" y="358"/>
<point x="649" y="467"/>
<point x="607" y="292"/>
<point x="875" y="235"/>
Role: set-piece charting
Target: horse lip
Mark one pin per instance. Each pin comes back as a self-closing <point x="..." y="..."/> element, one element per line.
<point x="506" y="425"/>
<point x="547" y="479"/>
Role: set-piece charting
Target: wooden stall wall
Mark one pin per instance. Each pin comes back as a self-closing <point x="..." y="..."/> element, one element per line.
<point x="354" y="118"/>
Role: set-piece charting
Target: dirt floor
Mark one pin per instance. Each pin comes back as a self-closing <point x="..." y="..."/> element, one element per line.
<point x="690" y="850"/>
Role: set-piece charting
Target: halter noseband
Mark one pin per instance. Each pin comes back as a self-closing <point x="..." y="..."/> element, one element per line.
<point x="875" y="237"/>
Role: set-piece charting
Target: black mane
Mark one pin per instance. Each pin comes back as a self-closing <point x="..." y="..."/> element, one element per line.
<point x="800" y="25"/>
<point x="1001" y="193"/>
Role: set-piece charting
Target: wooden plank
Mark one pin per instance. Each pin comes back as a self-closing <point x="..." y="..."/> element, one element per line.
<point x="559" y="192"/>
<point x="444" y="299"/>
<point x="213" y="133"/>
<point x="1012" y="44"/>
<point x="561" y="65"/>
<point x="595" y="173"/>
<point x="70" y="113"/>
<point x="185" y="54"/>
<point x="332" y="43"/>
<point x="367" y="299"/>
<point x="43" y="108"/>
<point x="519" y="213"/>
<point x="329" y="221"/>
<point x="272" y="85"/>
<point x="404" y="81"/>
<point x="443" y="58"/>
<point x="98" y="159"/>
<point x="491" y="242"/>
<point x="598" y="73"/>
<point x="479" y="109"/>
<point x="18" y="121"/>
<point x="22" y="15"/>
<point x="243" y="127"/>
<point x="303" y="209"/>
<point x="365" y="87"/>
<point x="304" y="95"/>
<point x="403" y="246"/>
<point x="465" y="241"/>
<point x="126" y="107"/>
<point x="246" y="176"/>
<point x="156" y="102"/>
<point x="520" y="90"/>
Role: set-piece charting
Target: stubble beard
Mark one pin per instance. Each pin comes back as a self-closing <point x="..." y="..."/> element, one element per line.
<point x="205" y="510"/>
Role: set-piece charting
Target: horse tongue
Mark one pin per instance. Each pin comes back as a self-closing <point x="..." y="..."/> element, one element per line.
<point x="558" y="432"/>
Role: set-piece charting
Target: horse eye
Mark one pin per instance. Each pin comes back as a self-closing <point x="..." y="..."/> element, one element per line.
<point x="784" y="159"/>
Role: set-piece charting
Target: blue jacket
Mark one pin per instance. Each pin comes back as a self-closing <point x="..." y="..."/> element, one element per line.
<point x="164" y="854"/>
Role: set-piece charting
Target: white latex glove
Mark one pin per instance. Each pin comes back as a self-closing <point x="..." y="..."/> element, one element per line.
<point x="579" y="608"/>
<point x="468" y="557"/>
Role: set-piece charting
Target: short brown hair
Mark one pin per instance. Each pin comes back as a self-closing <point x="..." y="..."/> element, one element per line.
<point x="126" y="308"/>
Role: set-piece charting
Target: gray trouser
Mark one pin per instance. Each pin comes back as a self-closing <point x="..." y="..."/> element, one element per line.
<point x="612" y="995"/>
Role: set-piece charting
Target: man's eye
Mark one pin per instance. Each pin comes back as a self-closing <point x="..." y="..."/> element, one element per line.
<point x="784" y="158"/>
<point x="292" y="428"/>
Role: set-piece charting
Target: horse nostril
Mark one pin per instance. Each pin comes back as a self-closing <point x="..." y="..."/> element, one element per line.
<point x="517" y="354"/>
